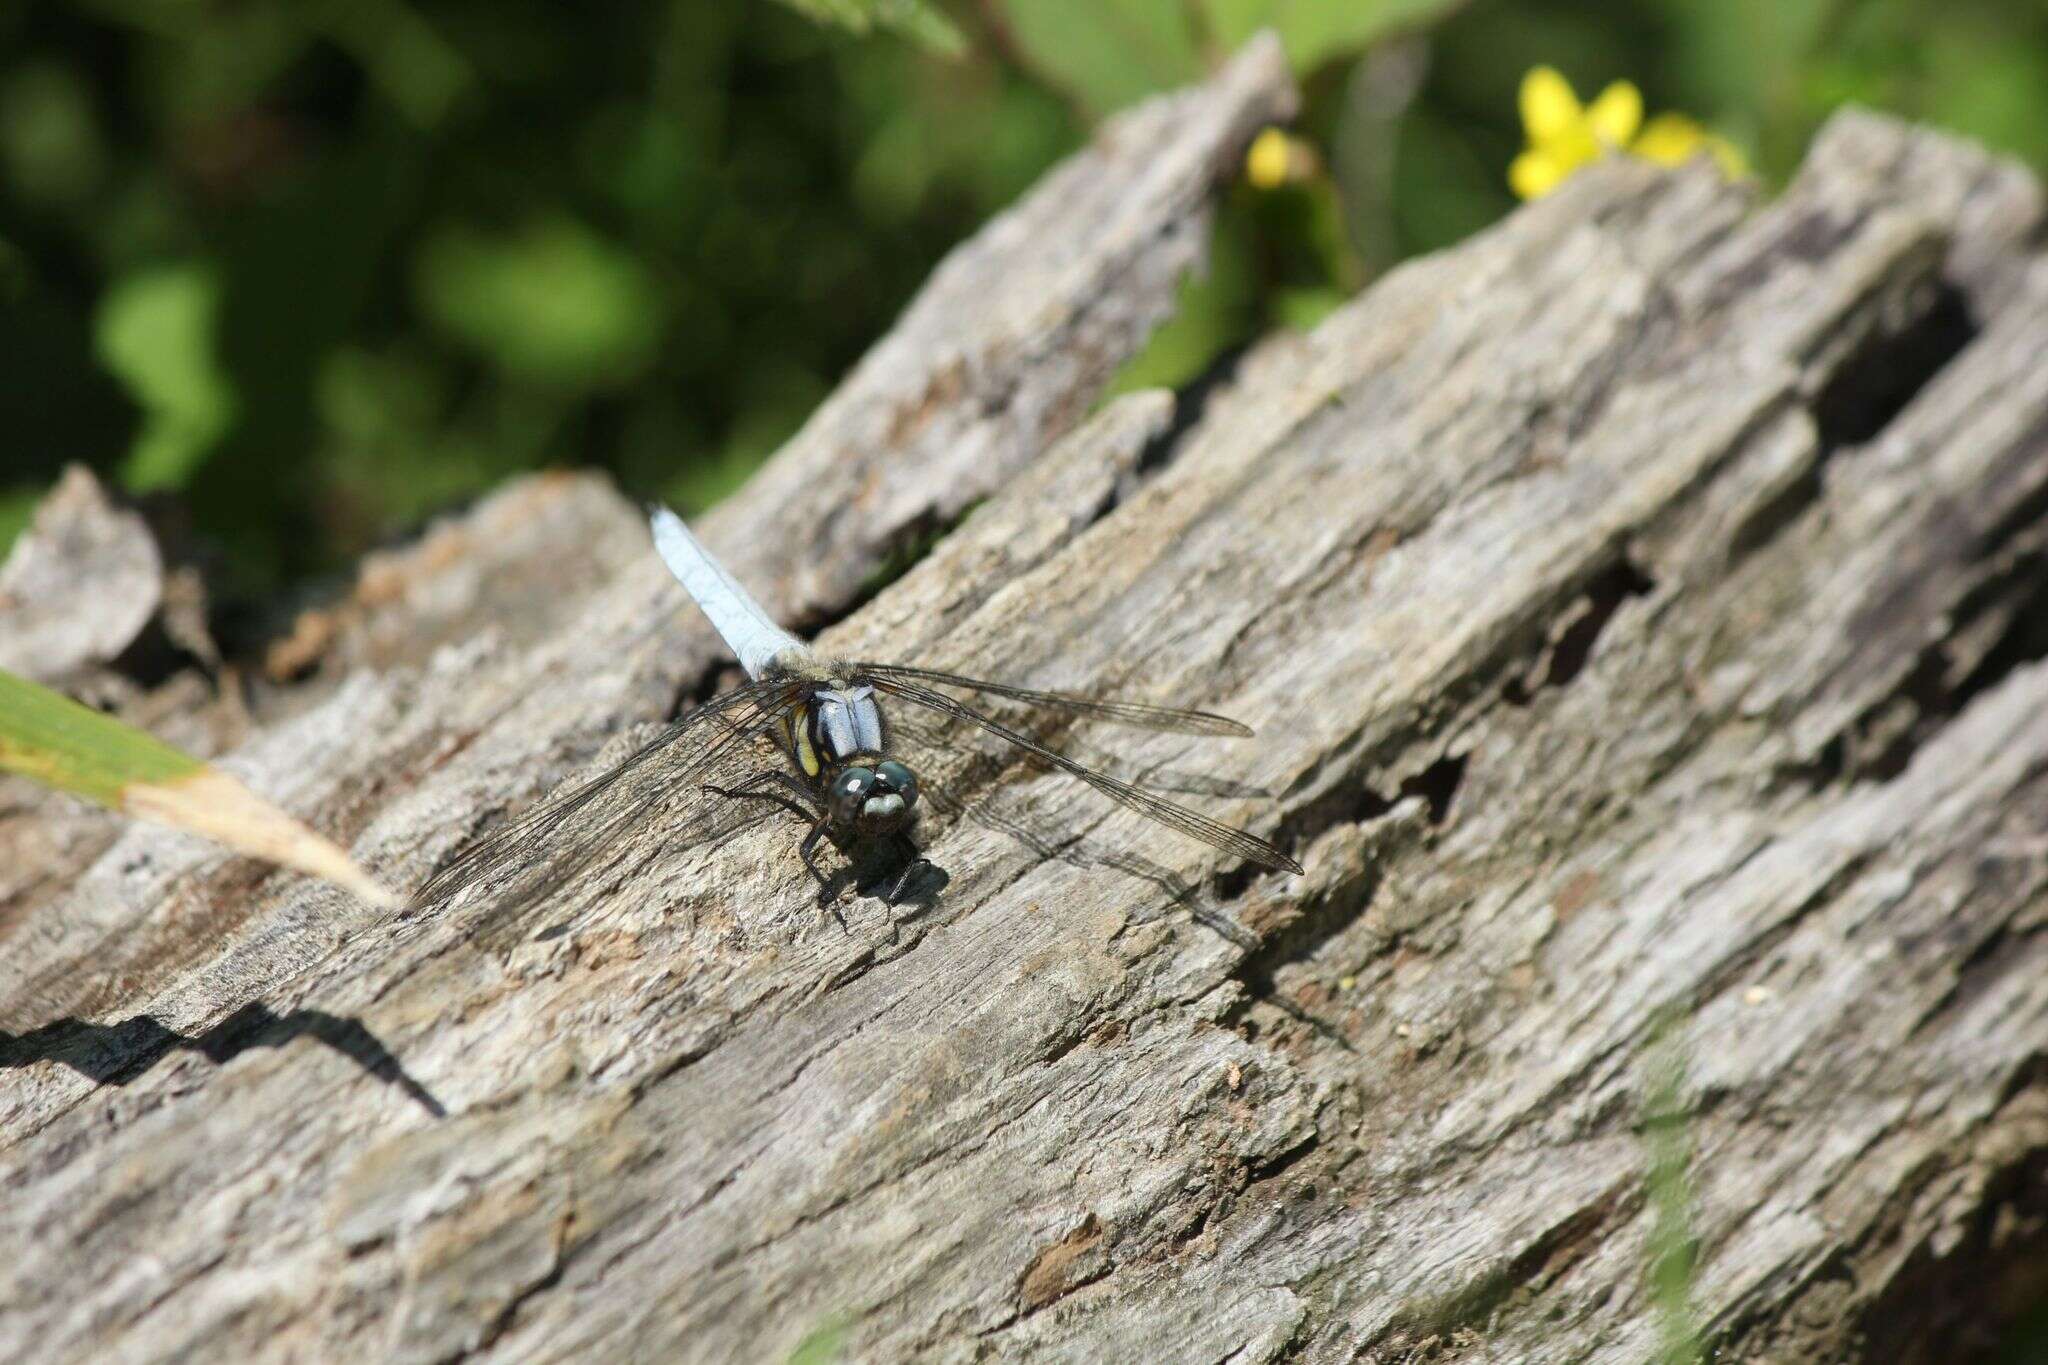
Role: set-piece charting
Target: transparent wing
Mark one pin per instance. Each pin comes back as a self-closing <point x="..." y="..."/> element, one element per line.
<point x="1086" y="853"/>
<point x="534" y="855"/>
<point x="1131" y="713"/>
<point x="931" y="734"/>
<point x="1251" y="848"/>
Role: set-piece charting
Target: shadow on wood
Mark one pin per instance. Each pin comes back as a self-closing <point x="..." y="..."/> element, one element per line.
<point x="1639" y="610"/>
<point x="117" y="1054"/>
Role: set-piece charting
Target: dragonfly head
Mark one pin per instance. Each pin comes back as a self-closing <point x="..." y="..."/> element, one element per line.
<point x="877" y="800"/>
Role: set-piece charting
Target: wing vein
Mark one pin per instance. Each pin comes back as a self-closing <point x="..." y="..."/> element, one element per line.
<point x="1247" y="846"/>
<point x="1133" y="713"/>
<point x="529" y="844"/>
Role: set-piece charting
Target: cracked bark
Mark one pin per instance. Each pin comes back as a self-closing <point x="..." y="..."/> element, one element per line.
<point x="1640" y="607"/>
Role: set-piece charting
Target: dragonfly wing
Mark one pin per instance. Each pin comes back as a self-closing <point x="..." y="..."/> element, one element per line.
<point x="1250" y="847"/>
<point x="534" y="855"/>
<point x="1137" y="714"/>
<point x="932" y="734"/>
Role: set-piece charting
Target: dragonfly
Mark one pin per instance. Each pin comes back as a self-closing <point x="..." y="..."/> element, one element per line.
<point x="809" y="736"/>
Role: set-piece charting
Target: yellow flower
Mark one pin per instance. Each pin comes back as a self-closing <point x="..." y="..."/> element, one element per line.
<point x="1674" y="139"/>
<point x="1564" y="135"/>
<point x="1275" y="159"/>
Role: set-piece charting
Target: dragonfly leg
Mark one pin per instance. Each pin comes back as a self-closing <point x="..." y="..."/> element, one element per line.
<point x="826" y="900"/>
<point x="754" y="789"/>
<point x="916" y="862"/>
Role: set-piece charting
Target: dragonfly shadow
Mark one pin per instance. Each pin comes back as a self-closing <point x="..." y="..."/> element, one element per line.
<point x="116" y="1054"/>
<point x="895" y="871"/>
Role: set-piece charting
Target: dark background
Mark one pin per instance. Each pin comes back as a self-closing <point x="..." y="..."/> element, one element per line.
<point x="298" y="275"/>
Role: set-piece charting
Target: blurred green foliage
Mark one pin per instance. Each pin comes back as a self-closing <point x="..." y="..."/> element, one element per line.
<point x="155" y="334"/>
<point x="308" y="272"/>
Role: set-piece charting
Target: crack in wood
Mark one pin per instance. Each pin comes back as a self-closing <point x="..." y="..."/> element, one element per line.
<point x="1406" y="1116"/>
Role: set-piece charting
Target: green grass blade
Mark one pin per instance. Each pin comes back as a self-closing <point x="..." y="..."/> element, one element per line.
<point x="51" y="738"/>
<point x="1674" y="1250"/>
<point x="822" y="1345"/>
<point x="46" y="736"/>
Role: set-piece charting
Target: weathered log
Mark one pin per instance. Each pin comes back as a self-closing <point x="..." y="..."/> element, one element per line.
<point x="1640" y="607"/>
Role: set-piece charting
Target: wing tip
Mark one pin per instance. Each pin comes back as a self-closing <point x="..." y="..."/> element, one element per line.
<point x="1267" y="856"/>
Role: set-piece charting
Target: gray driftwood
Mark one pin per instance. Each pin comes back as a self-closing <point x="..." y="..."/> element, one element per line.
<point x="1639" y="608"/>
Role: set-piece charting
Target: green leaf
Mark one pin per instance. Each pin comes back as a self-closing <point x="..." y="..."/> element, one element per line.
<point x="1983" y="86"/>
<point x="555" y="304"/>
<point x="1231" y="22"/>
<point x="1216" y="309"/>
<point x="51" y="739"/>
<point x="1106" y="53"/>
<point x="156" y="332"/>
<point x="421" y="72"/>
<point x="50" y="142"/>
<point x="1304" y="309"/>
<point x="914" y="19"/>
<point x="17" y="509"/>
<point x="1318" y="31"/>
<point x="1109" y="53"/>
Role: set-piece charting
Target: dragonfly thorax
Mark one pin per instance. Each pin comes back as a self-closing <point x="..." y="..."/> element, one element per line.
<point x="835" y="727"/>
<point x="837" y="739"/>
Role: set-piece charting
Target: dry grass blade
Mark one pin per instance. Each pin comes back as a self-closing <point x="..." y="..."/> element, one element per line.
<point x="54" y="740"/>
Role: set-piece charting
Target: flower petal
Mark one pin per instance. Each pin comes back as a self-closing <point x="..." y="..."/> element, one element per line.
<point x="1733" y="164"/>
<point x="1536" y="173"/>
<point x="1549" y="108"/>
<point x="1265" y="165"/>
<point x="1616" y="114"/>
<point x="1669" y="140"/>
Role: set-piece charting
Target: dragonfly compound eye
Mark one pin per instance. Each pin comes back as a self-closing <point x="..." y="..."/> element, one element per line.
<point x="898" y="778"/>
<point x="849" y="795"/>
<point x="889" y="797"/>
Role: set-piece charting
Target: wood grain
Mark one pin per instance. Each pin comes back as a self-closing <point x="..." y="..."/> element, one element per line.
<point x="1641" y="610"/>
